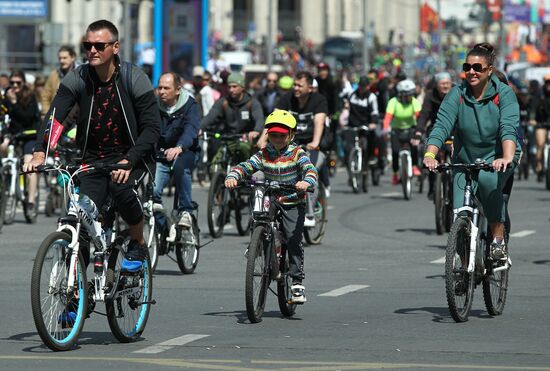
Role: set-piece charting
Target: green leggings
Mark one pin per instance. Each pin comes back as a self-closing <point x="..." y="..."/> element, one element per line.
<point x="487" y="187"/>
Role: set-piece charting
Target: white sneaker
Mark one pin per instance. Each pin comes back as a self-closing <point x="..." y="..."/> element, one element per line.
<point x="172" y="234"/>
<point x="185" y="220"/>
<point x="327" y="192"/>
<point x="157" y="207"/>
<point x="298" y="294"/>
<point x="309" y="222"/>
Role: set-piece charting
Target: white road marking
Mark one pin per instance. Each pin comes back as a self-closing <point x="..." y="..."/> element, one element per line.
<point x="438" y="261"/>
<point x="391" y="194"/>
<point x="330" y="207"/>
<point x="344" y="290"/>
<point x="169" y="344"/>
<point x="524" y="233"/>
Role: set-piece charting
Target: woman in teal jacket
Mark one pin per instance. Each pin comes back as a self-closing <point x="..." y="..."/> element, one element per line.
<point x="483" y="116"/>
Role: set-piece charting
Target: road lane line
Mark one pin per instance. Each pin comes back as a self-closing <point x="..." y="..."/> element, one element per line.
<point x="438" y="261"/>
<point x="344" y="290"/>
<point x="169" y="344"/>
<point x="524" y="233"/>
<point x="391" y="194"/>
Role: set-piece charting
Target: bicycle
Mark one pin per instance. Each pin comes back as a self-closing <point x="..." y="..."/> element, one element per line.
<point x="59" y="283"/>
<point x="185" y="243"/>
<point x="202" y="165"/>
<point x="406" y="167"/>
<point x="467" y="258"/>
<point x="55" y="198"/>
<point x="357" y="158"/>
<point x="267" y="259"/>
<point x="221" y="200"/>
<point x="443" y="192"/>
<point x="15" y="189"/>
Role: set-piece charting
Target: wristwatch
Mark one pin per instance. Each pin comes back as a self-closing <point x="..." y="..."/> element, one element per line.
<point x="180" y="147"/>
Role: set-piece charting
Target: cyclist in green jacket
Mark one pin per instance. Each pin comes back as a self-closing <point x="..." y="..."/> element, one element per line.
<point x="484" y="114"/>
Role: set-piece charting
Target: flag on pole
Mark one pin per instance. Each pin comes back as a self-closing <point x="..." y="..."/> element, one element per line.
<point x="54" y="131"/>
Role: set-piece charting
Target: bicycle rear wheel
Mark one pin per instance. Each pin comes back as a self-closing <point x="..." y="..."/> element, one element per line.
<point x="257" y="275"/>
<point x="314" y="235"/>
<point x="217" y="206"/>
<point x="439" y="202"/>
<point x="11" y="198"/>
<point x="187" y="253"/>
<point x="128" y="309"/>
<point x="459" y="284"/>
<point x="152" y="237"/>
<point x="58" y="312"/>
<point x="283" y="290"/>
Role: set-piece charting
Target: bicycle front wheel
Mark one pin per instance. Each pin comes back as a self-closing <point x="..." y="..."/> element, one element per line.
<point x="187" y="253"/>
<point x="459" y="284"/>
<point x="243" y="214"/>
<point x="257" y="275"/>
<point x="2" y="201"/>
<point x="58" y="311"/>
<point x="151" y="236"/>
<point x="128" y="309"/>
<point x="355" y="169"/>
<point x="405" y="177"/>
<point x="10" y="197"/>
<point x="314" y="235"/>
<point x="217" y="205"/>
<point x="439" y="202"/>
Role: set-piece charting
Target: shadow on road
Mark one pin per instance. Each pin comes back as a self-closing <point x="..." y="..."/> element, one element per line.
<point x="164" y="272"/>
<point x="541" y="262"/>
<point x="426" y="231"/>
<point x="85" y="338"/>
<point x="242" y="318"/>
<point x="441" y="314"/>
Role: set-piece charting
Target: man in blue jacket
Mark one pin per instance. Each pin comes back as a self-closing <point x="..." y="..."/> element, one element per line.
<point x="179" y="130"/>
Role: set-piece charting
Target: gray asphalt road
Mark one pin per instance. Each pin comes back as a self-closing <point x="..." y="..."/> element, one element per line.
<point x="380" y="254"/>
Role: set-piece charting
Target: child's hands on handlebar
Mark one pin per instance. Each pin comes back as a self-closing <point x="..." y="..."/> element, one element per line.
<point x="302" y="186"/>
<point x="231" y="183"/>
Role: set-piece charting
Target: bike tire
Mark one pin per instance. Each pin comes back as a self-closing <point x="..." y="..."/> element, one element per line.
<point x="2" y="201"/>
<point x="439" y="203"/>
<point x="547" y="173"/>
<point x="257" y="275"/>
<point x="495" y="288"/>
<point x="49" y="208"/>
<point x="459" y="284"/>
<point x="314" y="235"/>
<point x="283" y="289"/>
<point x="243" y="214"/>
<point x="375" y="175"/>
<point x="151" y="237"/>
<point x="11" y="198"/>
<point x="57" y="338"/>
<point x="405" y="179"/>
<point x="355" y="171"/>
<point x="187" y="254"/>
<point x="132" y="309"/>
<point x="217" y="205"/>
<point x="31" y="214"/>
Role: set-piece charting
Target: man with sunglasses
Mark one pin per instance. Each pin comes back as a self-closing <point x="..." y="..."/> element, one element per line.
<point x="118" y="122"/>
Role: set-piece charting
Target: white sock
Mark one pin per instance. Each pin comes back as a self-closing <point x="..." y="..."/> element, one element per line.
<point x="497" y="240"/>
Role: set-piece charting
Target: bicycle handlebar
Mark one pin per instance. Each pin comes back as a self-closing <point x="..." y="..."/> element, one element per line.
<point x="476" y="166"/>
<point x="85" y="167"/>
<point x="270" y="184"/>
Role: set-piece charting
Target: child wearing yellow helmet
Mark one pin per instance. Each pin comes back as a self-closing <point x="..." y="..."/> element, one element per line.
<point x="284" y="162"/>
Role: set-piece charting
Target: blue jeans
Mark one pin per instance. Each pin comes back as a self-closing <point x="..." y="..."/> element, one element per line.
<point x="183" y="169"/>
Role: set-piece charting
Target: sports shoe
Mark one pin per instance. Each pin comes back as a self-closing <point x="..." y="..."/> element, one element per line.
<point x="416" y="171"/>
<point x="498" y="251"/>
<point x="298" y="292"/>
<point x="327" y="192"/>
<point x="395" y="179"/>
<point x="185" y="219"/>
<point x="133" y="260"/>
<point x="172" y="234"/>
<point x="309" y="222"/>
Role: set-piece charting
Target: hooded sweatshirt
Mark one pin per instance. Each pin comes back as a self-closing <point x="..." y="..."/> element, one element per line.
<point x="180" y="123"/>
<point x="481" y="126"/>
<point x="287" y="166"/>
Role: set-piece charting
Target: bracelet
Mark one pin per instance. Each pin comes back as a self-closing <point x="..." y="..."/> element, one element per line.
<point x="429" y="155"/>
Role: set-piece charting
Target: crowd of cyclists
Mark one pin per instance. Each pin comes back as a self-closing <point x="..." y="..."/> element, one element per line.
<point x="120" y="117"/>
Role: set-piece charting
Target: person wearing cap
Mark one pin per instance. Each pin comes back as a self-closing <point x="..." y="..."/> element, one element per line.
<point x="236" y="113"/>
<point x="310" y="110"/>
<point x="363" y="110"/>
<point x="283" y="161"/>
<point x="428" y="112"/>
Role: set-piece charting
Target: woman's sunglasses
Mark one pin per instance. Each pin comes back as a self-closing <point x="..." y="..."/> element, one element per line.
<point x="15" y="82"/>
<point x="477" y="67"/>
<point x="98" y="46"/>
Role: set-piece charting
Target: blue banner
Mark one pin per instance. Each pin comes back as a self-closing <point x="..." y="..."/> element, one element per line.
<point x="24" y="8"/>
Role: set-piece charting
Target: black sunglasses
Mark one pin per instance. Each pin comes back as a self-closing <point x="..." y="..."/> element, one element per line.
<point x="98" y="46"/>
<point x="13" y="82"/>
<point x="477" y="67"/>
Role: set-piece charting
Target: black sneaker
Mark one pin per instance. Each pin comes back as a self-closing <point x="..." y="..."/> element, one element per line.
<point x="498" y="251"/>
<point x="135" y="256"/>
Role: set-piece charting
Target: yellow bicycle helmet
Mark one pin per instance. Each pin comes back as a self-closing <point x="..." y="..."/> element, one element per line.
<point x="280" y="121"/>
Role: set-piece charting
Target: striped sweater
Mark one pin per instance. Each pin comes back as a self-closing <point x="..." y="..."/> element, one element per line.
<point x="288" y="166"/>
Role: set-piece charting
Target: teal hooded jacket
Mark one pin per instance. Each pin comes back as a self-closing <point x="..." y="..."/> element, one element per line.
<point x="479" y="127"/>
